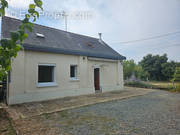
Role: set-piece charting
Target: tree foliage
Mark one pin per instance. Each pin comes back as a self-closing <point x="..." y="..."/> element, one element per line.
<point x="177" y="75"/>
<point x="131" y="68"/>
<point x="9" y="47"/>
<point x="154" y="66"/>
<point x="168" y="70"/>
<point x="128" y="68"/>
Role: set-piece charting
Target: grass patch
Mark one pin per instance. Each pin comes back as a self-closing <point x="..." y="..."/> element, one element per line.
<point x="152" y="85"/>
<point x="177" y="89"/>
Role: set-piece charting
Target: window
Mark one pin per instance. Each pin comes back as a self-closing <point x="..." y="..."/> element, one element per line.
<point x="46" y="75"/>
<point x="73" y="72"/>
<point x="40" y="35"/>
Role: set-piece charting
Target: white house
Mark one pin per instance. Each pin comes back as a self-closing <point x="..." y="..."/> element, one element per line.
<point x="56" y="63"/>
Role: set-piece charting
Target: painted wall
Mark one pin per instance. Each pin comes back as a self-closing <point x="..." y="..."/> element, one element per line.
<point x="24" y="76"/>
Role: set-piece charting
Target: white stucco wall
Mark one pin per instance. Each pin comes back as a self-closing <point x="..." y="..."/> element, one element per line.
<point x="24" y="76"/>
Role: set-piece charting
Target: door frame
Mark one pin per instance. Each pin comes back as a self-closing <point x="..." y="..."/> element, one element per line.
<point x="99" y="78"/>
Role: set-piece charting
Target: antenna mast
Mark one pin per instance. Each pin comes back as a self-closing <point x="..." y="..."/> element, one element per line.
<point x="65" y="18"/>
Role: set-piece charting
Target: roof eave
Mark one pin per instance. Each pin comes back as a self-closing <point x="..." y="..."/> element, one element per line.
<point x="70" y="52"/>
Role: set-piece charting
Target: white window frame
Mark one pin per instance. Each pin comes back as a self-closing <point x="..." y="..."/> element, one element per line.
<point x="47" y="84"/>
<point x="76" y="73"/>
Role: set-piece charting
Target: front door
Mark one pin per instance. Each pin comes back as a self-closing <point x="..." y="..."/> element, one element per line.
<point x="96" y="79"/>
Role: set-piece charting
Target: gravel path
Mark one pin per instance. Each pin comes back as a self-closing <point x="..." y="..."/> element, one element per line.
<point x="156" y="113"/>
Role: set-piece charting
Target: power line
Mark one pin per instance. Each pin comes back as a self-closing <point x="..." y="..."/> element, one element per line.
<point x="162" y="47"/>
<point x="165" y="46"/>
<point x="149" y="38"/>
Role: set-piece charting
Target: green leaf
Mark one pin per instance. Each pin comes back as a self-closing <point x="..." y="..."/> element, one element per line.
<point x="4" y="4"/>
<point x="28" y="26"/>
<point x="21" y="27"/>
<point x="8" y="68"/>
<point x="31" y="10"/>
<point x="21" y="32"/>
<point x="18" y="47"/>
<point x="27" y="16"/>
<point x="34" y="19"/>
<point x="38" y="3"/>
<point x="32" y="6"/>
<point x="2" y="11"/>
<point x="4" y="42"/>
<point x="26" y="20"/>
<point x="15" y="36"/>
<point x="25" y="36"/>
<point x="36" y="13"/>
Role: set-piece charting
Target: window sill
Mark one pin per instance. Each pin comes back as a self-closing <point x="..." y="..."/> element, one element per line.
<point x="50" y="84"/>
<point x="74" y="79"/>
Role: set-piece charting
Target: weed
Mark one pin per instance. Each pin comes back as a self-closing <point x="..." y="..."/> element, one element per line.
<point x="46" y="115"/>
<point x="64" y="114"/>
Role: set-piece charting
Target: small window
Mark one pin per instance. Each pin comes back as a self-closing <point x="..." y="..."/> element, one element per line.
<point x="73" y="71"/>
<point x="40" y="35"/>
<point x="46" y="75"/>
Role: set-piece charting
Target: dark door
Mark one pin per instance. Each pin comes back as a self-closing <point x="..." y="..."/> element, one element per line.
<point x="96" y="79"/>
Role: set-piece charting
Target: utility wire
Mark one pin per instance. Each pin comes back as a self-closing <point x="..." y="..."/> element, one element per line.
<point x="149" y="38"/>
<point x="165" y="46"/>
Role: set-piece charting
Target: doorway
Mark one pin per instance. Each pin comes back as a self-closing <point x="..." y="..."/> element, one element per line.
<point x="96" y="79"/>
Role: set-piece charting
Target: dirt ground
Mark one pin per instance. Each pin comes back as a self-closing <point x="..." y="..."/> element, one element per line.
<point x="5" y="125"/>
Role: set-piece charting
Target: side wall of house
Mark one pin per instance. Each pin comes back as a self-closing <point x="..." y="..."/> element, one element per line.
<point x="111" y="74"/>
<point x="24" y="76"/>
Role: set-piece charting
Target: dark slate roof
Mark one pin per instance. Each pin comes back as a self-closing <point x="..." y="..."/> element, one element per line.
<point x="58" y="41"/>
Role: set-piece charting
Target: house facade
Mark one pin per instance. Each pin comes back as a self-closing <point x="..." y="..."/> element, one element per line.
<point x="57" y="64"/>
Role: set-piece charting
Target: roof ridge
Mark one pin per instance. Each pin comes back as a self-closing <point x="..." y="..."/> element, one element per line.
<point x="52" y="28"/>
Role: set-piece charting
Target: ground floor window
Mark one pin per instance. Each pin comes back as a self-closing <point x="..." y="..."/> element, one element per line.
<point x="73" y="71"/>
<point x="46" y="74"/>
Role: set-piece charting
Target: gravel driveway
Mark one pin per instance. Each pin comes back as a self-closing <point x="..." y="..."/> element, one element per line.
<point x="156" y="113"/>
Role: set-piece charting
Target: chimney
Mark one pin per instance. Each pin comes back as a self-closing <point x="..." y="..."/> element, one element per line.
<point x="100" y="36"/>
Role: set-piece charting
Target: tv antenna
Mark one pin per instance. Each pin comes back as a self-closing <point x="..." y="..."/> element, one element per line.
<point x="64" y="14"/>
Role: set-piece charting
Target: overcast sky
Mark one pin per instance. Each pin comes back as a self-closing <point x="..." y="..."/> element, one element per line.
<point x="119" y="21"/>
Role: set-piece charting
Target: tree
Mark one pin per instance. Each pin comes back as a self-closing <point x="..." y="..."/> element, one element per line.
<point x="177" y="64"/>
<point x="128" y="68"/>
<point x="176" y="78"/>
<point x="140" y="73"/>
<point x="131" y="68"/>
<point x="168" y="70"/>
<point x="177" y="75"/>
<point x="153" y="66"/>
<point x="9" y="47"/>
